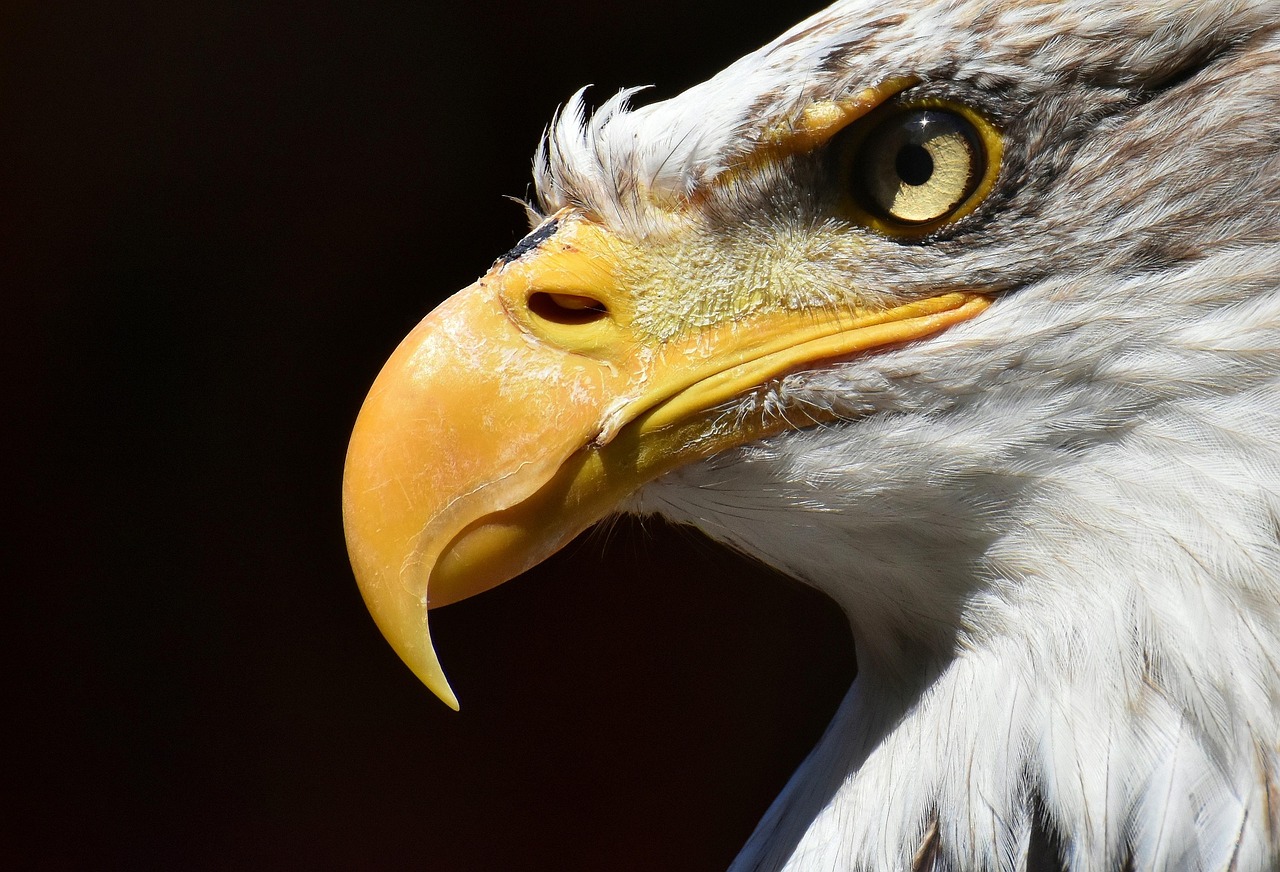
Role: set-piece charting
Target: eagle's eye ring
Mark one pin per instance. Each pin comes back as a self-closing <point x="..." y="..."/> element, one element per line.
<point x="912" y="167"/>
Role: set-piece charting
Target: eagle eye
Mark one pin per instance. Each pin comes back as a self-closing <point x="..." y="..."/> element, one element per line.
<point x="913" y="168"/>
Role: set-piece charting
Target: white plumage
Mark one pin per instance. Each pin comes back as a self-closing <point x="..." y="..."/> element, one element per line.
<point x="966" y="312"/>
<point x="1054" y="528"/>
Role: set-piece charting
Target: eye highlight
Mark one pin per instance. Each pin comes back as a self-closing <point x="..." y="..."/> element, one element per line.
<point x="912" y="168"/>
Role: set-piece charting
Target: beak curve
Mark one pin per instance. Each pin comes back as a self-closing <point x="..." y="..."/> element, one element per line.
<point x="468" y="418"/>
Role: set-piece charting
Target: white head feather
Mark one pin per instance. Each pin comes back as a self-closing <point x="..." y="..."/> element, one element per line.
<point x="1054" y="528"/>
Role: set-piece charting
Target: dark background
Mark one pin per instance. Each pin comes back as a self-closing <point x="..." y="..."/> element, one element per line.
<point x="217" y="220"/>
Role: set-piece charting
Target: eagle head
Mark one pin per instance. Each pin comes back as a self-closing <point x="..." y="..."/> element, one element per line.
<point x="965" y="312"/>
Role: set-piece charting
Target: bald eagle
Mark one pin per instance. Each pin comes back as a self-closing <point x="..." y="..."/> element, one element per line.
<point x="966" y="312"/>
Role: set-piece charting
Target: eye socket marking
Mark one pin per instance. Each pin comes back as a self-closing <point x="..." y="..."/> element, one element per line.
<point x="568" y="309"/>
<point x="911" y="168"/>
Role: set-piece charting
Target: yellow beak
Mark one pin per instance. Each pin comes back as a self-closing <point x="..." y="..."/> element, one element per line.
<point x="527" y="406"/>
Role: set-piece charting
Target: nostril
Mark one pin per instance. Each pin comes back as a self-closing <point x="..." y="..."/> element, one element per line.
<point x="566" y="308"/>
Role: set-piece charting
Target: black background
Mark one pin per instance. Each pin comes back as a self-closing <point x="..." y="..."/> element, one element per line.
<point x="218" y="219"/>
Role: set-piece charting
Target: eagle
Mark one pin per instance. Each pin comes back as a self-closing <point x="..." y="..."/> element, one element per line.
<point x="964" y="312"/>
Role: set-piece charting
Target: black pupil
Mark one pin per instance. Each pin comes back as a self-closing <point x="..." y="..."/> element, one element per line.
<point x="914" y="165"/>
